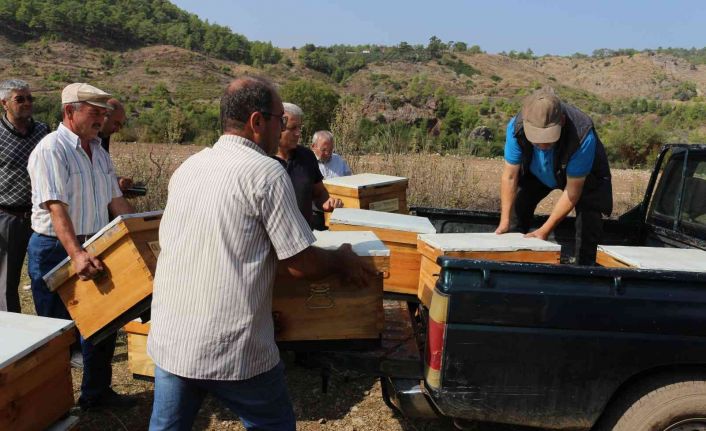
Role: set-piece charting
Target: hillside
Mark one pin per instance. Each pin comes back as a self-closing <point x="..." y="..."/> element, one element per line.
<point x="443" y="96"/>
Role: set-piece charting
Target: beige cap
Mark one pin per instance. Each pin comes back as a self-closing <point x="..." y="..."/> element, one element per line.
<point x="541" y="117"/>
<point x="82" y="92"/>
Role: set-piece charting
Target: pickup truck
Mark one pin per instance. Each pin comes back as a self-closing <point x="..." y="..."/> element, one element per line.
<point x="564" y="346"/>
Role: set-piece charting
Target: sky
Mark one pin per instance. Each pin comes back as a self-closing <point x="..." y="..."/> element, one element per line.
<point x="547" y="27"/>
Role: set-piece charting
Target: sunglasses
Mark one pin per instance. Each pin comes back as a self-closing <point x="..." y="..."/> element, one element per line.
<point x="282" y="118"/>
<point x="23" y="99"/>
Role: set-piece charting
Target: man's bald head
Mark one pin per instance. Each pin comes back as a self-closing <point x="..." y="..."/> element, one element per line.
<point x="115" y="119"/>
<point x="244" y="96"/>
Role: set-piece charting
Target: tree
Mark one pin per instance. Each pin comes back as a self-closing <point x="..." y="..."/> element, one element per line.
<point x="436" y="47"/>
<point x="460" y="47"/>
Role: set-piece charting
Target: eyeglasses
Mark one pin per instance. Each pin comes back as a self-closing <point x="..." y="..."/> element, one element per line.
<point x="22" y="99"/>
<point x="282" y="118"/>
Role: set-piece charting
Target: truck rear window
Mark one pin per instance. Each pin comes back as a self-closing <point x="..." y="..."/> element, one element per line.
<point x="694" y="197"/>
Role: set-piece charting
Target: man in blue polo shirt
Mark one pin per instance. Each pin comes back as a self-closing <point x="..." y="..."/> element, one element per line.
<point x="553" y="145"/>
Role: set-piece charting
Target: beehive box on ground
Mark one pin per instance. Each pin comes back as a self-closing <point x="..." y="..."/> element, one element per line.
<point x="35" y="374"/>
<point x="660" y="258"/>
<point x="128" y="248"/>
<point x="138" y="362"/>
<point x="369" y="191"/>
<point x="330" y="309"/>
<point x="510" y="247"/>
<point x="399" y="232"/>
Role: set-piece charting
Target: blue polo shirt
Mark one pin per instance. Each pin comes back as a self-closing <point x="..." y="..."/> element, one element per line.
<point x="542" y="165"/>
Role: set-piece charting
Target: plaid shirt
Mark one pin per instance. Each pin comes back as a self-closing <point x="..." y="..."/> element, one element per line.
<point x="15" y="148"/>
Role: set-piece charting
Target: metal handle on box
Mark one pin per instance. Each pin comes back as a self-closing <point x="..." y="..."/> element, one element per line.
<point x="319" y="297"/>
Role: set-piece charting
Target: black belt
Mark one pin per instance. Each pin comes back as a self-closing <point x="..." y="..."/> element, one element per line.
<point x="21" y="212"/>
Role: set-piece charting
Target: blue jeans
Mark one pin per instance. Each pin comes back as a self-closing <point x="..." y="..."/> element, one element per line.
<point x="262" y="402"/>
<point x="44" y="253"/>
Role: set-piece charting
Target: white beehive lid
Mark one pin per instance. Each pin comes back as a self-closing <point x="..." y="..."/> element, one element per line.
<point x="668" y="259"/>
<point x="446" y="242"/>
<point x="364" y="243"/>
<point x="361" y="181"/>
<point x="383" y="220"/>
<point x="23" y="333"/>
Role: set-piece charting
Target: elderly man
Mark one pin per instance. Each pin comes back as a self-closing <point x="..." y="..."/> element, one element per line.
<point x="73" y="189"/>
<point x="331" y="164"/>
<point x="114" y="121"/>
<point x="231" y="215"/>
<point x="553" y="145"/>
<point x="19" y="134"/>
<point x="302" y="167"/>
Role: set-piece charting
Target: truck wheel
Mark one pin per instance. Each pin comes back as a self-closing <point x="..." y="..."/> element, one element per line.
<point x="661" y="403"/>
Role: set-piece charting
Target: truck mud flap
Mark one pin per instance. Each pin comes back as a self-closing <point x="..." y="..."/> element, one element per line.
<point x="409" y="397"/>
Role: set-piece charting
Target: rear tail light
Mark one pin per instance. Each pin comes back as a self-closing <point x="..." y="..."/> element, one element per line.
<point x="436" y="331"/>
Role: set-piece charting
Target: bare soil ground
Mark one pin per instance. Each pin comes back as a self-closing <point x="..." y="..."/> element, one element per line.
<point x="353" y="402"/>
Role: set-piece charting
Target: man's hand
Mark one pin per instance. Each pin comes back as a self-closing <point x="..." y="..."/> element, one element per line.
<point x="353" y="269"/>
<point x="124" y="183"/>
<point x="503" y="227"/>
<point x="331" y="203"/>
<point x="86" y="266"/>
<point x="539" y="233"/>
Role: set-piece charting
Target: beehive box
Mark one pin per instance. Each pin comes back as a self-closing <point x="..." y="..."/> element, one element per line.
<point x="369" y="191"/>
<point x="128" y="247"/>
<point x="660" y="258"/>
<point x="138" y="362"/>
<point x="35" y="374"/>
<point x="399" y="232"/>
<point x="328" y="309"/>
<point x="510" y="247"/>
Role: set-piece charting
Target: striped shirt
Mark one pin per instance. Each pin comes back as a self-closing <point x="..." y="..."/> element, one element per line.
<point x="230" y="213"/>
<point x="60" y="170"/>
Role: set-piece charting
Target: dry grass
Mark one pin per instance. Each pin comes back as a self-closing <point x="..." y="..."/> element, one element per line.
<point x="434" y="180"/>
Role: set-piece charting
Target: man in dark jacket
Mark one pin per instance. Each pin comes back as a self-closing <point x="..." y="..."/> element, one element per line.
<point x="553" y="145"/>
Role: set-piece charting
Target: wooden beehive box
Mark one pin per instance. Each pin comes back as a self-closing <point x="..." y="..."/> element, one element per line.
<point x="128" y="247"/>
<point x="510" y="247"/>
<point x="328" y="309"/>
<point x="369" y="191"/>
<point x="399" y="232"/>
<point x="35" y="374"/>
<point x="138" y="362"/>
<point x="660" y="258"/>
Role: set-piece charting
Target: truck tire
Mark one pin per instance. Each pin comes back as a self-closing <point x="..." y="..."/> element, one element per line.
<point x="661" y="403"/>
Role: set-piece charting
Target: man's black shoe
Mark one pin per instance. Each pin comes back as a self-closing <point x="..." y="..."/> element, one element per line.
<point x="109" y="399"/>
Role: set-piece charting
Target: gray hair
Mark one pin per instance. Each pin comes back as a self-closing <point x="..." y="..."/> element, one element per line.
<point x="322" y="134"/>
<point x="10" y="85"/>
<point x="292" y="109"/>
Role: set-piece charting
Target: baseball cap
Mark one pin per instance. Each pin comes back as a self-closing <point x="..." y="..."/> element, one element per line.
<point x="541" y="117"/>
<point x="82" y="92"/>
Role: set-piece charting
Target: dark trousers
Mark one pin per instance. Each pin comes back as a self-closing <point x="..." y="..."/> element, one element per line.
<point x="44" y="253"/>
<point x="589" y="222"/>
<point x="14" y="235"/>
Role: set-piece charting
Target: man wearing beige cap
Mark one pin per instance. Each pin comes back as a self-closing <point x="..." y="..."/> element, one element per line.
<point x="73" y="189"/>
<point x="553" y="145"/>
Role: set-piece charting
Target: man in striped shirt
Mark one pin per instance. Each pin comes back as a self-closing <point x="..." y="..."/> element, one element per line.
<point x="231" y="214"/>
<point x="73" y="189"/>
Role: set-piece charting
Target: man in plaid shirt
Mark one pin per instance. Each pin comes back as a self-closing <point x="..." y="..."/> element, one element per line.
<point x="19" y="134"/>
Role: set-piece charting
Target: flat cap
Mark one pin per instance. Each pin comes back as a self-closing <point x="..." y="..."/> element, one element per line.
<point x="82" y="92"/>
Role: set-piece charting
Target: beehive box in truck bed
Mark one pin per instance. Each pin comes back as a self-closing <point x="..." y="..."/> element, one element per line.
<point x="510" y="247"/>
<point x="369" y="191"/>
